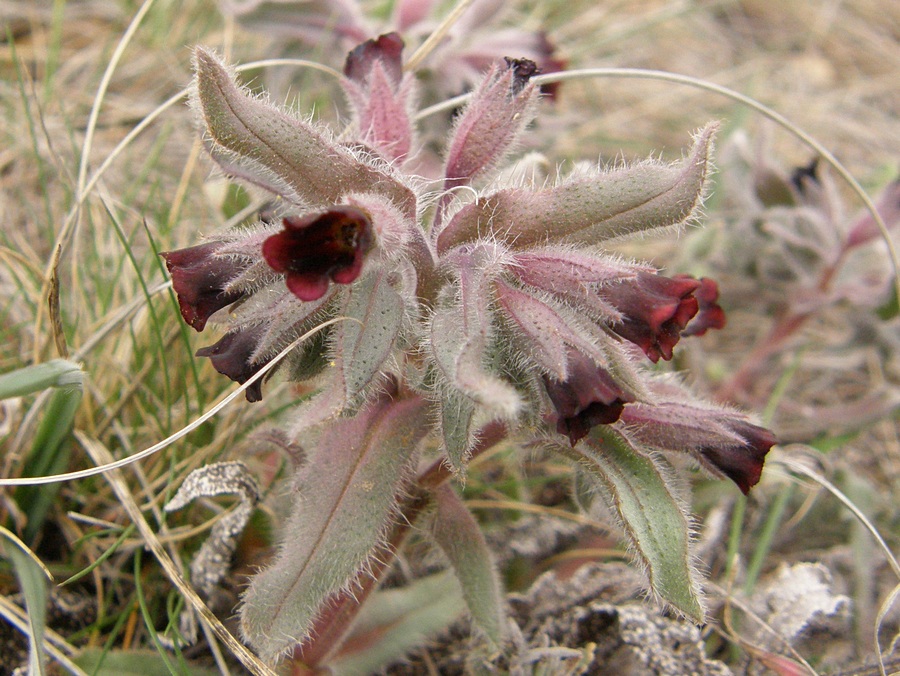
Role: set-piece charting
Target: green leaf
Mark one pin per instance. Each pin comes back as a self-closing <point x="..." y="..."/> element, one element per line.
<point x="54" y="373"/>
<point x="396" y="621"/>
<point x="362" y="346"/>
<point x="654" y="521"/>
<point x="129" y="663"/>
<point x="49" y="454"/>
<point x="33" y="583"/>
<point x="458" y="535"/>
<point x="344" y="499"/>
<point x="457" y="414"/>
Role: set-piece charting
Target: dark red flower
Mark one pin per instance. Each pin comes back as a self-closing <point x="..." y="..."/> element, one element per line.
<point x="742" y="463"/>
<point x="199" y="279"/>
<point x="231" y="357"/>
<point x="724" y="441"/>
<point x="320" y="248"/>
<point x="711" y="315"/>
<point x="589" y="396"/>
<point x="655" y="311"/>
<point x="385" y="48"/>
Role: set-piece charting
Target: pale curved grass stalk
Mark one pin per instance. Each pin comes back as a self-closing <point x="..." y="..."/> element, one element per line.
<point x="432" y="41"/>
<point x="87" y="186"/>
<point x="778" y="118"/>
<point x="100" y="454"/>
<point x="800" y="468"/>
<point x="732" y="602"/>
<point x="55" y="645"/>
<point x="101" y="94"/>
<point x="879" y="621"/>
<point x="71" y="221"/>
<point x="184" y="431"/>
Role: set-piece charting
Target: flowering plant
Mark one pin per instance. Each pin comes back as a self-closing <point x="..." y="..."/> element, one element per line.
<point x="470" y="310"/>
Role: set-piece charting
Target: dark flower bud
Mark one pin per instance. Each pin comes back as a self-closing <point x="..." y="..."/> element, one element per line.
<point x="231" y="357"/>
<point x="385" y="48"/>
<point x="199" y="278"/>
<point x="742" y="463"/>
<point x="655" y="311"/>
<point x="523" y="70"/>
<point x="589" y="396"/>
<point x="724" y="441"/>
<point x="320" y="248"/>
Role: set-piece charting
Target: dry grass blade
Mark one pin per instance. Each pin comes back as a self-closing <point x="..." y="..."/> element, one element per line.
<point x="101" y="455"/>
<point x="800" y="468"/>
<point x="168" y="441"/>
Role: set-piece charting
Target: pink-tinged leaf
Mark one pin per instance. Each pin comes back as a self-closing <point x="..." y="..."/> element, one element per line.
<point x="637" y="489"/>
<point x="461" y="335"/>
<point x="782" y="666"/>
<point x="459" y="536"/>
<point x="381" y="96"/>
<point x="407" y="13"/>
<point x="318" y="171"/>
<point x="344" y="499"/>
<point x="588" y="209"/>
<point x="542" y="330"/>
<point x="488" y="128"/>
<point x="394" y="622"/>
<point x="361" y="347"/>
<point x="382" y="114"/>
<point x="316" y="23"/>
<point x="567" y="272"/>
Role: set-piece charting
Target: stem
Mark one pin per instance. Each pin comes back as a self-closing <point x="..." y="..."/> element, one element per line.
<point x="330" y="629"/>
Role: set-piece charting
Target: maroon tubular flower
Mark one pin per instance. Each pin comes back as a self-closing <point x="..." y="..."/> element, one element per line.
<point x="724" y="441"/>
<point x="231" y="357"/>
<point x="589" y="396"/>
<point x="319" y="248"/>
<point x="199" y="279"/>
<point x="386" y="48"/>
<point x="656" y="310"/>
<point x="711" y="315"/>
<point x="743" y="464"/>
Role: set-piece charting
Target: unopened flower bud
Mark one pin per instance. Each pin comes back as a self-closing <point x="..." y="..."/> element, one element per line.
<point x="232" y="357"/>
<point x="200" y="279"/>
<point x="589" y="396"/>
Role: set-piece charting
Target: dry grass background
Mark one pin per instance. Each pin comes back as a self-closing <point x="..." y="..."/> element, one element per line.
<point x="831" y="67"/>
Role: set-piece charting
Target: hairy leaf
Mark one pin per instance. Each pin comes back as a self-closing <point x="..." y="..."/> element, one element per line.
<point x="395" y="621"/>
<point x="318" y="171"/>
<point x="362" y="346"/>
<point x="651" y="516"/>
<point x="457" y="414"/>
<point x="588" y="209"/>
<point x="460" y="337"/>
<point x="459" y="536"/>
<point x="344" y="500"/>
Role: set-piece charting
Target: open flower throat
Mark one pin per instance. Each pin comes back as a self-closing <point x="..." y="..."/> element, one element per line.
<point x="502" y="297"/>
